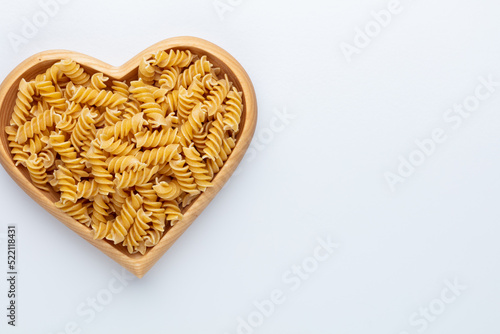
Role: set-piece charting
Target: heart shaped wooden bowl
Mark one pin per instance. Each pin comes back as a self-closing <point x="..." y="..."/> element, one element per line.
<point x="28" y="69"/>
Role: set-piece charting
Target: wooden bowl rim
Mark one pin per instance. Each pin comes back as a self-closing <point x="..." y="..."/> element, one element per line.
<point x="135" y="263"/>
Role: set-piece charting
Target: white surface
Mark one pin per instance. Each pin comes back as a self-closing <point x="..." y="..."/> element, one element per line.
<point x="321" y="175"/>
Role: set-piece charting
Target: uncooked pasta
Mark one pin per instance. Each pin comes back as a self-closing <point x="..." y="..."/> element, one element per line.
<point x="126" y="157"/>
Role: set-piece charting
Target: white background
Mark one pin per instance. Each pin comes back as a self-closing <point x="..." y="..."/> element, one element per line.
<point x="320" y="175"/>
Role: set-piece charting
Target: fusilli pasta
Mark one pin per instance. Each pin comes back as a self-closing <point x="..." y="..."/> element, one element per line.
<point x="126" y="157"/>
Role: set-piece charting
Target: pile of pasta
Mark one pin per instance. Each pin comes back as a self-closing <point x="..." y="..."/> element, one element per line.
<point x="126" y="157"/>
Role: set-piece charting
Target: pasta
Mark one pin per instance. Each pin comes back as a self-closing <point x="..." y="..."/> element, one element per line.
<point x="94" y="97"/>
<point x="73" y="71"/>
<point x="130" y="179"/>
<point x="168" y="78"/>
<point x="144" y="94"/>
<point x="172" y="58"/>
<point x="48" y="91"/>
<point x="66" y="184"/>
<point x="214" y="138"/>
<point x="126" y="157"/>
<point x="137" y="230"/>
<point x="37" y="172"/>
<point x="36" y="125"/>
<point x="197" y="167"/>
<point x="157" y="138"/>
<point x="68" y="155"/>
<point x="153" y="206"/>
<point x="122" y="223"/>
<point x="87" y="189"/>
<point x="217" y="96"/>
<point x="98" y="81"/>
<point x="82" y="134"/>
<point x="97" y="160"/>
<point x="232" y="116"/>
<point x="193" y="124"/>
<point x="23" y="103"/>
<point x="168" y="190"/>
<point x="184" y="176"/>
<point x="146" y="71"/>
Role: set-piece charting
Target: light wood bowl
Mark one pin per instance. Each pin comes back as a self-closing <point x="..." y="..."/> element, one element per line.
<point x="136" y="263"/>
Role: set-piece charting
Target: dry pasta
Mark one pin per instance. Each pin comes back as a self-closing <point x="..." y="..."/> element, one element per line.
<point x="126" y="157"/>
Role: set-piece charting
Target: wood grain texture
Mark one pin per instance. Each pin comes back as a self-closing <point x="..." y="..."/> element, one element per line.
<point x="28" y="69"/>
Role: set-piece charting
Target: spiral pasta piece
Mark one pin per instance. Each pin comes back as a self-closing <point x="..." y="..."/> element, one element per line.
<point x="37" y="172"/>
<point x="100" y="210"/>
<point x="208" y="82"/>
<point x="196" y="89"/>
<point x="73" y="71"/>
<point x="98" y="98"/>
<point x="151" y="239"/>
<point x="154" y="113"/>
<point x="120" y="87"/>
<point x="68" y="154"/>
<point x="234" y="109"/>
<point x="49" y="94"/>
<point x="214" y="166"/>
<point x="217" y="96"/>
<point x="132" y="107"/>
<point x="197" y="167"/>
<point x="202" y="66"/>
<point x="146" y="71"/>
<point x="79" y="210"/>
<point x="123" y="163"/>
<point x="87" y="189"/>
<point x="74" y="110"/>
<point x="152" y="206"/>
<point x="83" y="131"/>
<point x="97" y="161"/>
<point x="172" y="211"/>
<point x="19" y="155"/>
<point x="200" y="137"/>
<point x="23" y="103"/>
<point x="98" y="81"/>
<point x="66" y="124"/>
<point x="130" y="179"/>
<point x="172" y="58"/>
<point x="36" y="125"/>
<point x="122" y="223"/>
<point x="112" y="116"/>
<point x="214" y="138"/>
<point x="171" y="101"/>
<point x="121" y="148"/>
<point x="168" y="78"/>
<point x="184" y="176"/>
<point x="168" y="190"/>
<point x="186" y="104"/>
<point x="193" y="124"/>
<point x="102" y="230"/>
<point x="137" y="231"/>
<point x="54" y="74"/>
<point x="48" y="157"/>
<point x="35" y="144"/>
<point x="122" y="128"/>
<point x="159" y="156"/>
<point x="66" y="184"/>
<point x="157" y="138"/>
<point x="186" y="199"/>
